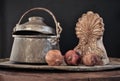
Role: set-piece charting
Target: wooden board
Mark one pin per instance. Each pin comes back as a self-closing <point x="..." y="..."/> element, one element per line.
<point x="114" y="64"/>
<point x="20" y="75"/>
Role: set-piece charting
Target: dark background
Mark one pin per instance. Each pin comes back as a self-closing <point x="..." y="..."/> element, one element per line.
<point x="67" y="12"/>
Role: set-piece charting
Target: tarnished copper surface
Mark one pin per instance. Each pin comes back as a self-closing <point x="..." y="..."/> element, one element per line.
<point x="114" y="64"/>
<point x="33" y="39"/>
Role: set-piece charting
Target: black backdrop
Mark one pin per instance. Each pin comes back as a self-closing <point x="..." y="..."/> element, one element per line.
<point x="67" y="12"/>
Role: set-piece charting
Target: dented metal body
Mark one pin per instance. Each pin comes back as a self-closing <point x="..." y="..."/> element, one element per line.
<point x="33" y="39"/>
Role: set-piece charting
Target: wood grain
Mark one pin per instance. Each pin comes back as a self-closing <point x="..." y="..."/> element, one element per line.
<point x="65" y="76"/>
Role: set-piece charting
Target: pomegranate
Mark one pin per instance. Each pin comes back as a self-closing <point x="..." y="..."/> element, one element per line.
<point x="54" y="58"/>
<point x="92" y="59"/>
<point x="72" y="57"/>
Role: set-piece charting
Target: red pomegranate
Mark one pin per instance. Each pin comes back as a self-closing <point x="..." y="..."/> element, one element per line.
<point x="72" y="58"/>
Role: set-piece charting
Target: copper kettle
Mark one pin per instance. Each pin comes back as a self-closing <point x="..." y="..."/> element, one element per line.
<point x="33" y="39"/>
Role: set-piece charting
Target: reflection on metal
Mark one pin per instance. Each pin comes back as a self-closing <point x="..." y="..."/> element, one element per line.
<point x="33" y="39"/>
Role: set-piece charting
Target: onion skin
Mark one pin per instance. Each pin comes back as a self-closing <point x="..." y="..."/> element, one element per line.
<point x="92" y="59"/>
<point x="72" y="58"/>
<point x="54" y="58"/>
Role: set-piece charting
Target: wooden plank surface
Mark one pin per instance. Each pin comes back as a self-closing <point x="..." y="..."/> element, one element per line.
<point x="59" y="76"/>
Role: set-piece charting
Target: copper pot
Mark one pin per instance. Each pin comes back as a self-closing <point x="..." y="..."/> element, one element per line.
<point x="33" y="39"/>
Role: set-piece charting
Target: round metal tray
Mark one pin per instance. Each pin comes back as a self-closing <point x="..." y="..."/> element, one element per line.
<point x="114" y="64"/>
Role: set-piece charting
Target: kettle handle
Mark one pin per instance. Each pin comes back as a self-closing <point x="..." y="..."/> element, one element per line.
<point x="57" y="24"/>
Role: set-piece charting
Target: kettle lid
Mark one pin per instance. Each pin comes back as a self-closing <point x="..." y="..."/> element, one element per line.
<point x="35" y="24"/>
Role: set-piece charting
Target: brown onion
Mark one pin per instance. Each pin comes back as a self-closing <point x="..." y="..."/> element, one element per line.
<point x="72" y="58"/>
<point x="54" y="58"/>
<point x="92" y="59"/>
